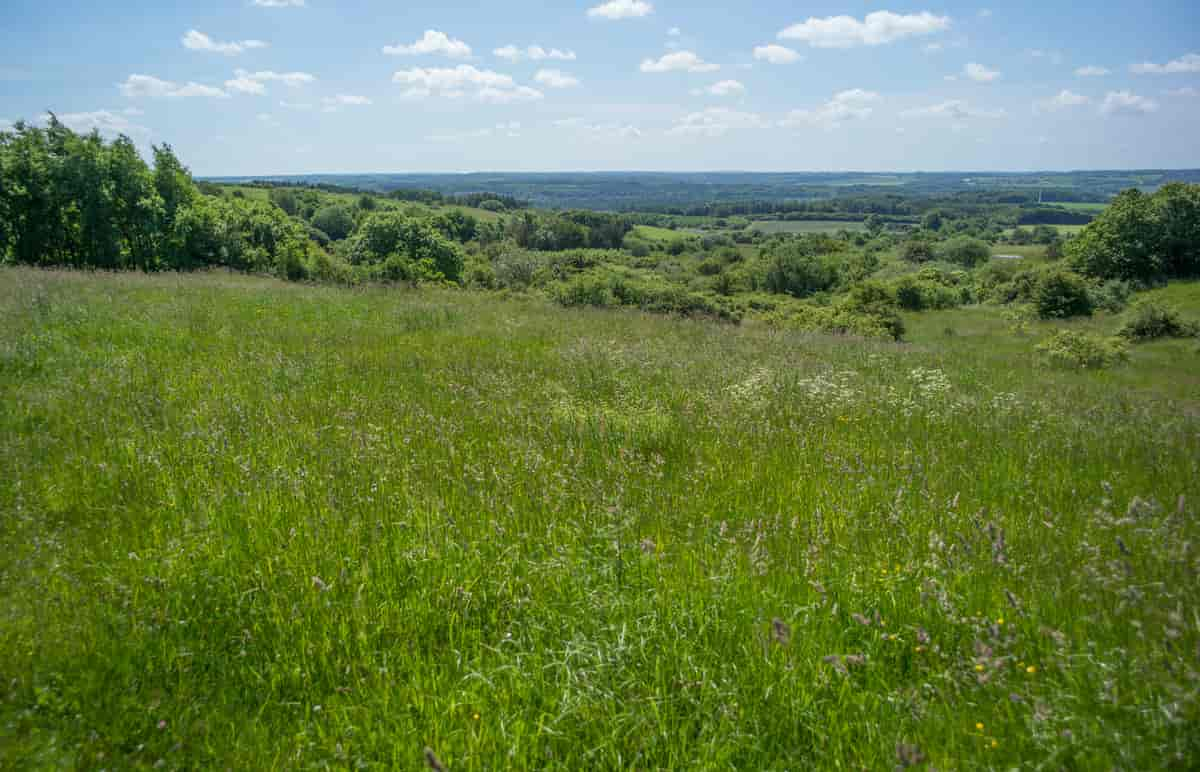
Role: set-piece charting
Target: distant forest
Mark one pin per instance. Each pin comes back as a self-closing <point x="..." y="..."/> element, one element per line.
<point x="722" y="194"/>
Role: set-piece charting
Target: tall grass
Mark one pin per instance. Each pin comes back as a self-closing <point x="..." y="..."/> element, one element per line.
<point x="256" y="525"/>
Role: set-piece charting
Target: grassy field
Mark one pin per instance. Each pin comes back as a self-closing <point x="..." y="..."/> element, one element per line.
<point x="254" y="525"/>
<point x="806" y="226"/>
<point x="661" y="234"/>
<point x="1082" y="206"/>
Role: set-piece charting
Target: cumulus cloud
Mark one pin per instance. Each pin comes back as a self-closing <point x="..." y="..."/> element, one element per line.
<point x="1091" y="71"/>
<point x="196" y="40"/>
<point x="776" y="54"/>
<point x="555" y="79"/>
<point x="432" y="42"/>
<point x="716" y="121"/>
<point x="877" y="28"/>
<point x="1186" y="91"/>
<point x="674" y="32"/>
<point x="980" y="74"/>
<point x="1128" y="103"/>
<point x="680" y="61"/>
<point x="534" y="53"/>
<point x="456" y="82"/>
<point x="851" y="105"/>
<point x="955" y="109"/>
<point x="1059" y="101"/>
<point x="150" y="86"/>
<point x="1185" y="63"/>
<point x="621" y="9"/>
<point x="244" y="82"/>
<point x="104" y="121"/>
<point x="722" y="88"/>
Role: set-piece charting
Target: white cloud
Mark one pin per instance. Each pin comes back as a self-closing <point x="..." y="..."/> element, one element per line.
<point x="1117" y="102"/>
<point x="555" y="79"/>
<point x="1091" y="71"/>
<point x="956" y="109"/>
<point x="684" y="61"/>
<point x="150" y="86"/>
<point x="980" y="74"/>
<point x="716" y="121"/>
<point x="1186" y="91"/>
<point x="722" y="88"/>
<point x="534" y="53"/>
<point x="621" y="9"/>
<point x="289" y="79"/>
<point x="500" y="96"/>
<point x="195" y="40"/>
<point x="600" y="130"/>
<point x="875" y="29"/>
<point x="104" y="121"/>
<point x="674" y="32"/>
<point x="432" y="42"/>
<point x="295" y="105"/>
<point x="1059" y="101"/>
<point x="450" y="81"/>
<point x="279" y="3"/>
<point x="776" y="54"/>
<point x="1185" y="63"/>
<point x="984" y="13"/>
<point x="850" y="105"/>
<point x="244" y="85"/>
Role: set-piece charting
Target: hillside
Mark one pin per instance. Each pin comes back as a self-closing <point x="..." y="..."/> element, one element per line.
<point x="253" y="524"/>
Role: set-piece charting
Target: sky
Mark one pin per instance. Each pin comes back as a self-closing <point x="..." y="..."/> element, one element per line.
<point x="258" y="87"/>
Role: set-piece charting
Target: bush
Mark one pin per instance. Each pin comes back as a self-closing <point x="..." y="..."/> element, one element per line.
<point x="964" y="251"/>
<point x="1061" y="295"/>
<point x="1112" y="295"/>
<point x="337" y="222"/>
<point x="1150" y="319"/>
<point x="793" y="270"/>
<point x="1076" y="350"/>
<point x="517" y="270"/>
<point x="917" y="250"/>
<point x="710" y="267"/>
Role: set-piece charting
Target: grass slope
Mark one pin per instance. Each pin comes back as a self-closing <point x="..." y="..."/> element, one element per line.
<point x="256" y="525"/>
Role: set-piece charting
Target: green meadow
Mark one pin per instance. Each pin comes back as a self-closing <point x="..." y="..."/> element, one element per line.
<point x="252" y="524"/>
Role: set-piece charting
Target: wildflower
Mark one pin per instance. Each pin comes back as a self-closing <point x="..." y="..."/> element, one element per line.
<point x="918" y="649"/>
<point x="979" y="726"/>
<point x="162" y="724"/>
<point x="475" y="716"/>
<point x="995" y="743"/>
<point x="979" y="668"/>
<point x="1031" y="669"/>
<point x="1000" y="621"/>
<point x="319" y="584"/>
<point x="862" y="620"/>
<point x="647" y="545"/>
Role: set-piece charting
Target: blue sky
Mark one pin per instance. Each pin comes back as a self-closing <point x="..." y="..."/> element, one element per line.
<point x="295" y="86"/>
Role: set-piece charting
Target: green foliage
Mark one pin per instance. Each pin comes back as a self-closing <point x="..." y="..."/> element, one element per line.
<point x="796" y="268"/>
<point x="964" y="251"/>
<point x="1061" y="295"/>
<point x="285" y="199"/>
<point x="1151" y="320"/>
<point x="917" y="250"/>
<point x="336" y="221"/>
<point x="413" y="250"/>
<point x="1142" y="237"/>
<point x="1074" y="349"/>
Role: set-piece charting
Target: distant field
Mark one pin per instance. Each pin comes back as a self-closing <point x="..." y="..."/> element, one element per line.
<point x="1082" y="206"/>
<point x="661" y="234"/>
<point x="806" y="226"/>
